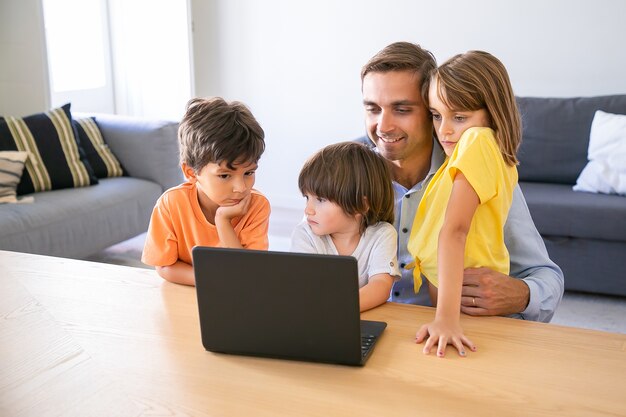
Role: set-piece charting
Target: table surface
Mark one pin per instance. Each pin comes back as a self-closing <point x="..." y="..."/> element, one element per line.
<point x="89" y="339"/>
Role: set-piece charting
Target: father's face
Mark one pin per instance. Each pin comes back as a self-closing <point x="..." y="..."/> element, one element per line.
<point x="396" y="118"/>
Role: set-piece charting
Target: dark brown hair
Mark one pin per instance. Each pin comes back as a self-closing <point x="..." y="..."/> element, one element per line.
<point x="215" y="131"/>
<point x="354" y="177"/>
<point x="403" y="56"/>
<point x="478" y="80"/>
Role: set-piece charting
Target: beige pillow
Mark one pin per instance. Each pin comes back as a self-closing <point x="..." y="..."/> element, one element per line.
<point x="11" y="168"/>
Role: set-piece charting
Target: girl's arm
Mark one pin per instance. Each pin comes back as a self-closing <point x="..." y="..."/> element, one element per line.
<point x="446" y="329"/>
<point x="375" y="292"/>
<point x="179" y="273"/>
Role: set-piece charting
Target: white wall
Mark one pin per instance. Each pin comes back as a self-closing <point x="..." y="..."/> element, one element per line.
<point x="23" y="70"/>
<point x="297" y="63"/>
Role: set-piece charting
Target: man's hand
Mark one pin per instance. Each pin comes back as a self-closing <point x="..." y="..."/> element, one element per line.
<point x="490" y="293"/>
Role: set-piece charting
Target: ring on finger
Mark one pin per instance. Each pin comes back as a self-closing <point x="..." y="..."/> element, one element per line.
<point x="474" y="301"/>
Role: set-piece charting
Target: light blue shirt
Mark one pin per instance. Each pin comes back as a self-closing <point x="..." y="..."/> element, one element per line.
<point x="529" y="257"/>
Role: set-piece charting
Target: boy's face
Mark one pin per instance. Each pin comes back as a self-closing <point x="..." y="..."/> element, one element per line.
<point x="328" y="218"/>
<point x="220" y="186"/>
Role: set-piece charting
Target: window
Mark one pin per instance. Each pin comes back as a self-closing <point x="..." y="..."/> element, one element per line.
<point x="79" y="64"/>
<point x="119" y="56"/>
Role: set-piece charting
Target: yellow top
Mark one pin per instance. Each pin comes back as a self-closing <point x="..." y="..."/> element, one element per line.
<point x="478" y="157"/>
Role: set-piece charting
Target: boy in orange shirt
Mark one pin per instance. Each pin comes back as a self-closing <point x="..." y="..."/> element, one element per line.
<point x="220" y="145"/>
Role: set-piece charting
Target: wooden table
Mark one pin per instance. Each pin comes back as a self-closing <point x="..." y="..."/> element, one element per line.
<point x="88" y="339"/>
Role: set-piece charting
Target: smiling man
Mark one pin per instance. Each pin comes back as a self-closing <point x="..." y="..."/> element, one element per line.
<point x="395" y="91"/>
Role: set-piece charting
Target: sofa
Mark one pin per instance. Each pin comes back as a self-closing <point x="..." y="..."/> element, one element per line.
<point x="79" y="222"/>
<point x="584" y="232"/>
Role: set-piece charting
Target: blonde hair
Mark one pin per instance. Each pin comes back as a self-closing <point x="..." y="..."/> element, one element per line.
<point x="477" y="80"/>
<point x="215" y="131"/>
<point x="354" y="177"/>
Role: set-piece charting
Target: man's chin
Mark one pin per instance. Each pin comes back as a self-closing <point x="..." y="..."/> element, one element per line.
<point x="391" y="152"/>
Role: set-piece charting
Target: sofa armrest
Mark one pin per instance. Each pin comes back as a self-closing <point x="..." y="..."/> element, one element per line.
<point x="147" y="148"/>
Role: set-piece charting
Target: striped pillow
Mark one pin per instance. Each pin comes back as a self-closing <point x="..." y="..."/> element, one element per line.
<point x="11" y="167"/>
<point x="55" y="158"/>
<point x="100" y="157"/>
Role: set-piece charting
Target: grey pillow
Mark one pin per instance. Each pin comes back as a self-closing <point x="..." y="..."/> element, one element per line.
<point x="146" y="148"/>
<point x="556" y="135"/>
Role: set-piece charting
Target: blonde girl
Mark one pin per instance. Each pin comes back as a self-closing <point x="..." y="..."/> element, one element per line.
<point x="465" y="206"/>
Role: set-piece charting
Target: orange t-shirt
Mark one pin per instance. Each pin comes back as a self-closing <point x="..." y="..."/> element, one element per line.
<point x="178" y="224"/>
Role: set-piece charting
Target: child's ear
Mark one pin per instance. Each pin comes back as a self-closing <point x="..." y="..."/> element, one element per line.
<point x="366" y="204"/>
<point x="188" y="172"/>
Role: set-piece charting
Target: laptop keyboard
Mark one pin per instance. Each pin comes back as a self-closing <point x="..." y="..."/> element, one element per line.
<point x="367" y="341"/>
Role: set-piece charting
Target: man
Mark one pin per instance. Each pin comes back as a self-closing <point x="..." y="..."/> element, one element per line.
<point x="397" y="117"/>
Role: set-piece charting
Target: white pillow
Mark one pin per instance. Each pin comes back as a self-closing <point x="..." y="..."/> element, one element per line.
<point x="606" y="170"/>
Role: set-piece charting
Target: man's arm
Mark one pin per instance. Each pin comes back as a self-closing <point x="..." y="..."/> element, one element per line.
<point x="535" y="287"/>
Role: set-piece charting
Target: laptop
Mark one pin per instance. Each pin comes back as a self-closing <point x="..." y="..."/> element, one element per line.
<point x="282" y="305"/>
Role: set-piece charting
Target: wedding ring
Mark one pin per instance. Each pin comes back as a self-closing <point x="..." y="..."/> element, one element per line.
<point x="474" y="301"/>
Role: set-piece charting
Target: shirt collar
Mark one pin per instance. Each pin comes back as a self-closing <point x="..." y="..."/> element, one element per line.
<point x="437" y="158"/>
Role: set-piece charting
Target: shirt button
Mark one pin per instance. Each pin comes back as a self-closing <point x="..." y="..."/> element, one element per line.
<point x="396" y="293"/>
<point x="402" y="265"/>
<point x="404" y="230"/>
<point x="407" y="196"/>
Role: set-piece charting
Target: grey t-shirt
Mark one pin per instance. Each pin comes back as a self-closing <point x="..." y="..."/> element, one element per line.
<point x="376" y="252"/>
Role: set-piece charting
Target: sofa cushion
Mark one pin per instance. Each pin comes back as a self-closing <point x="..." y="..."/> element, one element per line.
<point x="556" y="135"/>
<point x="147" y="149"/>
<point x="557" y="210"/>
<point x="606" y="170"/>
<point x="102" y="160"/>
<point x="11" y="168"/>
<point x="55" y="159"/>
<point x="78" y="222"/>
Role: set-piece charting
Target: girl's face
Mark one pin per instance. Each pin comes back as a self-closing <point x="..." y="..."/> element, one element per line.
<point x="328" y="218"/>
<point x="450" y="124"/>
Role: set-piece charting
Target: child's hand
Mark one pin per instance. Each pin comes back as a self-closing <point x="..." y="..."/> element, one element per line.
<point x="443" y="332"/>
<point x="236" y="210"/>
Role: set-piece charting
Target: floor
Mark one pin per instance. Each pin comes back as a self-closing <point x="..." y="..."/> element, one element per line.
<point x="588" y="311"/>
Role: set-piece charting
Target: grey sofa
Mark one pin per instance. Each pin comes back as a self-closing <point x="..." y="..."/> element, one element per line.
<point x="78" y="222"/>
<point x="585" y="233"/>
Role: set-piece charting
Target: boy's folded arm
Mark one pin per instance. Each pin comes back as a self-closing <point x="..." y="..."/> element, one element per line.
<point x="226" y="232"/>
<point x="179" y="273"/>
<point x="375" y="292"/>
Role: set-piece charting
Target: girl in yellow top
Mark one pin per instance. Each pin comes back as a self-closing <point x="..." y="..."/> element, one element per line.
<point x="459" y="223"/>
